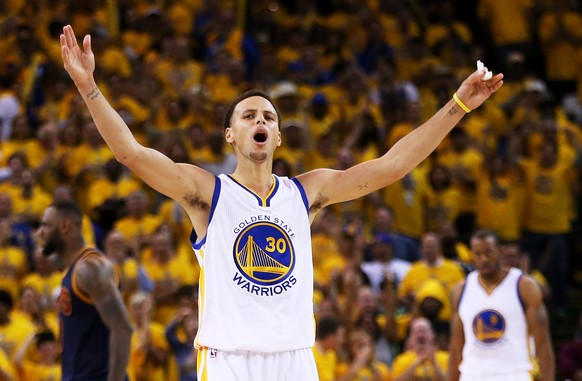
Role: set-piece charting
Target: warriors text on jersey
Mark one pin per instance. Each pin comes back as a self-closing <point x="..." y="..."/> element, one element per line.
<point x="496" y="335"/>
<point x="256" y="280"/>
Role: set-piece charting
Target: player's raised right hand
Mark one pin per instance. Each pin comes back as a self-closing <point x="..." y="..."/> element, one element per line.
<point x="79" y="62"/>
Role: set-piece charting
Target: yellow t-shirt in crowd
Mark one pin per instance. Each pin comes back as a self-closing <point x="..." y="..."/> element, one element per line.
<point x="559" y="51"/>
<point x="32" y="371"/>
<point x="441" y="208"/>
<point x="548" y="197"/>
<point x="469" y="163"/>
<point x="6" y="366"/>
<point x="13" y="267"/>
<point x="406" y="199"/>
<point x="131" y="227"/>
<point x="507" y="20"/>
<point x="177" y="273"/>
<point x="446" y="271"/>
<point x="44" y="286"/>
<point x="102" y="189"/>
<point x="424" y="371"/>
<point x="377" y="371"/>
<point x="140" y="369"/>
<point x="326" y="363"/>
<point x="499" y="205"/>
<point x="325" y="257"/>
<point x="14" y="334"/>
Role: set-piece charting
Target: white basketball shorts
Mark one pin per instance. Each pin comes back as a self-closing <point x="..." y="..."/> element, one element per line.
<point x="216" y="365"/>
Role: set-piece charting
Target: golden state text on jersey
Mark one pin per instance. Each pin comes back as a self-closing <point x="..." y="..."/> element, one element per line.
<point x="264" y="256"/>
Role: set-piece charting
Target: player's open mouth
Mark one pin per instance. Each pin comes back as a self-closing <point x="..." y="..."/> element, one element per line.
<point x="260" y="137"/>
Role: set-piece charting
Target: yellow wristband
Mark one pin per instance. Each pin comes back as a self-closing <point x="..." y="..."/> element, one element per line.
<point x="461" y="104"/>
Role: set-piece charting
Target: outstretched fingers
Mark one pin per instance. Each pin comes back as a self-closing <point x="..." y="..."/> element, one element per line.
<point x="70" y="39"/>
<point x="65" y="52"/>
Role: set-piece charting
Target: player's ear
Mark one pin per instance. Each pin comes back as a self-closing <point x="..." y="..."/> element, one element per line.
<point x="228" y="135"/>
<point x="279" y="139"/>
<point x="64" y="226"/>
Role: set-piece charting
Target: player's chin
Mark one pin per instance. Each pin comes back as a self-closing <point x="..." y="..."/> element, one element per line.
<point x="486" y="270"/>
<point x="259" y="156"/>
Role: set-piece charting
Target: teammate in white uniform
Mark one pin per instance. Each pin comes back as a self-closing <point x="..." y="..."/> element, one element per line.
<point x="252" y="229"/>
<point x="495" y="311"/>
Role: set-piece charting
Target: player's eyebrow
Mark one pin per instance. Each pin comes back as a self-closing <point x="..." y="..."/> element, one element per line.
<point x="271" y="114"/>
<point x="265" y="112"/>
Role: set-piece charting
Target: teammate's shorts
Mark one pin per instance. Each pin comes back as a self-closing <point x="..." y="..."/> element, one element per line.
<point x="215" y="365"/>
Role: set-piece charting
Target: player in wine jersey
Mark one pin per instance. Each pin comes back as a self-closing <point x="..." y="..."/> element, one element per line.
<point x="251" y="228"/>
<point x="95" y="327"/>
<point x="496" y="310"/>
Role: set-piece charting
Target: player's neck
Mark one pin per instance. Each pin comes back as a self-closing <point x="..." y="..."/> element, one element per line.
<point x="493" y="279"/>
<point x="72" y="252"/>
<point x="256" y="179"/>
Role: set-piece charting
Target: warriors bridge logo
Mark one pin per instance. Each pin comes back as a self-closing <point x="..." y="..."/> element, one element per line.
<point x="489" y="326"/>
<point x="265" y="257"/>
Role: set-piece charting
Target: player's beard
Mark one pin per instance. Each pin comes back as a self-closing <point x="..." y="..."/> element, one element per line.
<point x="258" y="156"/>
<point x="53" y="245"/>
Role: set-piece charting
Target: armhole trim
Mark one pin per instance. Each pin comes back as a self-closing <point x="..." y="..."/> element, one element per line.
<point x="76" y="290"/>
<point x="302" y="192"/>
<point x="215" y="196"/>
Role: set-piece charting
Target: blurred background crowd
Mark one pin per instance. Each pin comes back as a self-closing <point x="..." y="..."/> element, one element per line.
<point x="351" y="78"/>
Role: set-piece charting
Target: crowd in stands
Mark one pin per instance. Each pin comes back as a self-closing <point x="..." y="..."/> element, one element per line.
<point x="351" y="77"/>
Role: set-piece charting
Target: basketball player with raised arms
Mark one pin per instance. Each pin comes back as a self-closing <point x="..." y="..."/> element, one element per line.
<point x="251" y="228"/>
<point x="95" y="327"/>
<point x="496" y="311"/>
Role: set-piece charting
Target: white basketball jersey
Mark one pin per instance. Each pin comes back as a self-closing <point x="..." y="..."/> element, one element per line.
<point x="256" y="280"/>
<point x="496" y="336"/>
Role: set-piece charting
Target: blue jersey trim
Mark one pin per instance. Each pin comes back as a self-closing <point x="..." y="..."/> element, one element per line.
<point x="519" y="293"/>
<point x="215" y="196"/>
<point x="266" y="202"/>
<point x="462" y="294"/>
<point x="303" y="194"/>
<point x="273" y="192"/>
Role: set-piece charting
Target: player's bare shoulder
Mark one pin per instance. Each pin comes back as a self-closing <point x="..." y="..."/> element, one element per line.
<point x="456" y="293"/>
<point x="529" y="290"/>
<point x="94" y="275"/>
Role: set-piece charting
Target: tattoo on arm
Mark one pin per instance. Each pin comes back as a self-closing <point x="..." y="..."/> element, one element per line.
<point x="95" y="277"/>
<point x="453" y="110"/>
<point x="365" y="186"/>
<point x="93" y="94"/>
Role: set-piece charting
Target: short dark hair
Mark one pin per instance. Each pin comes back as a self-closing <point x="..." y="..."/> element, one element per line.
<point x="242" y="97"/>
<point x="484" y="234"/>
<point x="186" y="291"/>
<point x="45" y="336"/>
<point x="69" y="210"/>
<point x="6" y="299"/>
<point x="326" y="327"/>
